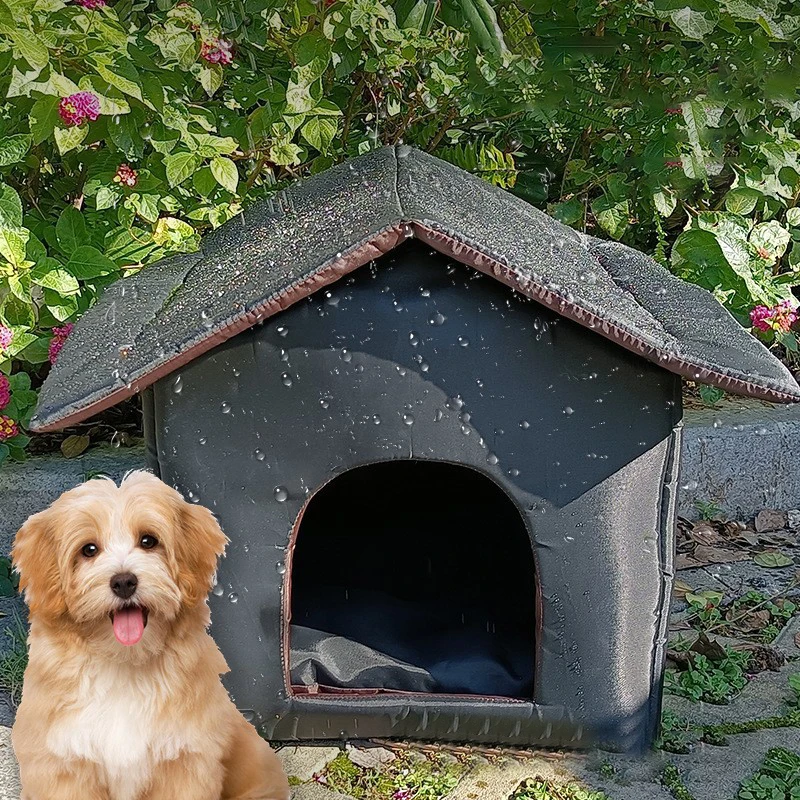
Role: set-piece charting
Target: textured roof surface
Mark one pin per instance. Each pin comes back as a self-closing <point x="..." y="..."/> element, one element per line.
<point x="279" y="251"/>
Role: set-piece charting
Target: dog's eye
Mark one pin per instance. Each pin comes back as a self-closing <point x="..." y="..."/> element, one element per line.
<point x="148" y="542"/>
<point x="90" y="550"/>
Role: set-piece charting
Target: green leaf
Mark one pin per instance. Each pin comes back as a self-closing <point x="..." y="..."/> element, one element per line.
<point x="37" y="351"/>
<point x="17" y="312"/>
<point x="12" y="244"/>
<point x="479" y="18"/>
<point x="742" y="201"/>
<point x="692" y="24"/>
<point x="14" y="148"/>
<point x="211" y="78"/>
<point x="50" y="274"/>
<point x="665" y="202"/>
<point x="88" y="262"/>
<point x="120" y="73"/>
<point x="770" y="238"/>
<point x="773" y="560"/>
<point x="10" y="207"/>
<point x="31" y="48"/>
<point x="225" y="173"/>
<point x="319" y="132"/>
<point x="70" y="230"/>
<point x="611" y="216"/>
<point x="570" y="212"/>
<point x="43" y="118"/>
<point x="124" y="133"/>
<point x="69" y="138"/>
<point x="107" y="197"/>
<point x="180" y="166"/>
<point x="285" y="153"/>
<point x="793" y="217"/>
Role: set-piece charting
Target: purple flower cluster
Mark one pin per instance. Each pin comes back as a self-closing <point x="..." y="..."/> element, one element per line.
<point x="217" y="51"/>
<point x="777" y="318"/>
<point x="5" y="391"/>
<point x="79" y="107"/>
<point x="57" y="342"/>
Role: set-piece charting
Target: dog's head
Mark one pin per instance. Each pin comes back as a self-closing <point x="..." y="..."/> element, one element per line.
<point x="109" y="559"/>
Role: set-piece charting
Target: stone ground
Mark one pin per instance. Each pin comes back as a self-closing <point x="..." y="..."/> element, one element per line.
<point x="708" y="772"/>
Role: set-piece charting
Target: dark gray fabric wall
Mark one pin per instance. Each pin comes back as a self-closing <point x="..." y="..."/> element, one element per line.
<point x="582" y="435"/>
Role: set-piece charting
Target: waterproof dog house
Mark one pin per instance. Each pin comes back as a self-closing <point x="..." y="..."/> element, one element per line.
<point x="448" y="477"/>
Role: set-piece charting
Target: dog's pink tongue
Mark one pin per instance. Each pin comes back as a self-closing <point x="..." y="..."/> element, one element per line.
<point x="129" y="625"/>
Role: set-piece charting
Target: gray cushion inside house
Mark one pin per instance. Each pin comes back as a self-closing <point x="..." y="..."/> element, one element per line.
<point x="282" y="250"/>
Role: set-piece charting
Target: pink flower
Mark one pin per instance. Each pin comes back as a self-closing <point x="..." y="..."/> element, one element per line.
<point x="126" y="175"/>
<point x="77" y="108"/>
<point x="8" y="428"/>
<point x="5" y="391"/>
<point x="402" y="794"/>
<point x="778" y="318"/>
<point x="6" y="335"/>
<point x="91" y="3"/>
<point x="217" y="51"/>
<point x="57" y="342"/>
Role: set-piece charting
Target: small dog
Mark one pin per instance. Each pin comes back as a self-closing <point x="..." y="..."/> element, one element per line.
<point x="122" y="698"/>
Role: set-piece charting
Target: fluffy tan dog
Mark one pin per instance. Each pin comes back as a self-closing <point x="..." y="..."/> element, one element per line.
<point x="122" y="698"/>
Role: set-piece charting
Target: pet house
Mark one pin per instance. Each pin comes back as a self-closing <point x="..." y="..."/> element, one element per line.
<point x="442" y="433"/>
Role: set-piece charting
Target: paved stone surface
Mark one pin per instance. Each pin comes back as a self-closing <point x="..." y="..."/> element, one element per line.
<point x="305" y="762"/>
<point x="498" y="781"/>
<point x="9" y="774"/>
<point x="313" y="791"/>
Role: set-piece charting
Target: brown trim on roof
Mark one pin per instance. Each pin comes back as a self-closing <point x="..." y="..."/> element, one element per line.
<point x="367" y="251"/>
<point x="473" y="257"/>
<point x="382" y="243"/>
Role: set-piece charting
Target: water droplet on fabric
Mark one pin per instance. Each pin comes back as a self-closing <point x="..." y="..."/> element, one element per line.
<point x="346" y="355"/>
<point x="437" y="415"/>
<point x="225" y="408"/>
<point x="376" y="419"/>
<point x="281" y="494"/>
<point x="286" y="379"/>
<point x="177" y="385"/>
<point x="492" y="459"/>
<point x="282" y="330"/>
<point x="408" y="419"/>
<point x="437" y="319"/>
<point x="259" y="455"/>
<point x="568" y="410"/>
<point x="233" y="597"/>
<point x="413" y="339"/>
<point x="524" y="424"/>
<point x="280" y="568"/>
<point x="463" y="341"/>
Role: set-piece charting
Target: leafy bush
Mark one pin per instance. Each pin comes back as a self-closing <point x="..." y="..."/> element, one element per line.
<point x="777" y="779"/>
<point x="710" y="681"/>
<point x="127" y="130"/>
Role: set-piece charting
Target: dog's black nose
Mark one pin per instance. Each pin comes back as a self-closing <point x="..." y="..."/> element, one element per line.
<point x="124" y="584"/>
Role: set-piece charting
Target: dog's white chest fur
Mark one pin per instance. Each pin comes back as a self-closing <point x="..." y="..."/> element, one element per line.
<point x="114" y="725"/>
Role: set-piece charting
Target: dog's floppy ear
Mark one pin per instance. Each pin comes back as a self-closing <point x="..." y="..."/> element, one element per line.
<point x="35" y="558"/>
<point x="199" y="543"/>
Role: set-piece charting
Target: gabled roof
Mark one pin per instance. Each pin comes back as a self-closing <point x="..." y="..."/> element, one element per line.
<point x="318" y="230"/>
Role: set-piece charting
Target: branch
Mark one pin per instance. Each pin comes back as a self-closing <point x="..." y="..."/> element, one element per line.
<point x="446" y="125"/>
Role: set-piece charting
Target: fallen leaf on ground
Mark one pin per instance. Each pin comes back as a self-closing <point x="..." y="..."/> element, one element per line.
<point x="773" y="560"/>
<point x="718" y="555"/>
<point x="770" y="520"/>
<point x="73" y="446"/>
<point x="710" y="648"/>
<point x="680" y="588"/>
<point x="763" y="657"/>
